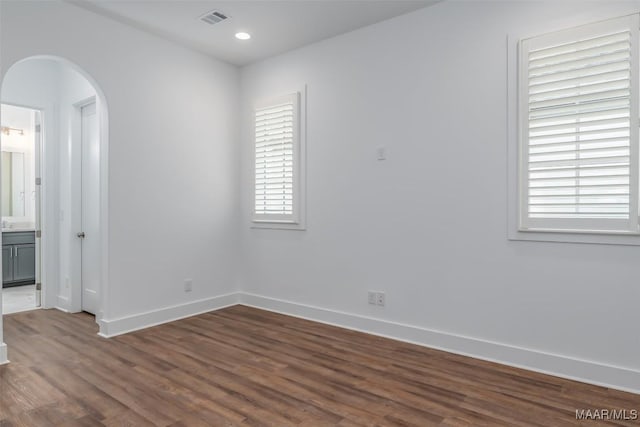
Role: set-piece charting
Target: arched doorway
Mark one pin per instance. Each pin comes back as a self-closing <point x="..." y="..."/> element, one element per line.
<point x="70" y="181"/>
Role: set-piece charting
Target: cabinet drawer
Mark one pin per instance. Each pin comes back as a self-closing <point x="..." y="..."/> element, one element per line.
<point x="18" y="238"/>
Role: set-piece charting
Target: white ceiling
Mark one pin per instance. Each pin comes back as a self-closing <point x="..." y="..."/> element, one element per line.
<point x="275" y="26"/>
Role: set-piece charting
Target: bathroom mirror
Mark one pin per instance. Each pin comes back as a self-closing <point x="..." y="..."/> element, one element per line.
<point x="13" y="184"/>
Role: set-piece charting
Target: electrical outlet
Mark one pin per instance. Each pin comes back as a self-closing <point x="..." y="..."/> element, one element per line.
<point x="372" y="298"/>
<point x="380" y="299"/>
<point x="188" y="285"/>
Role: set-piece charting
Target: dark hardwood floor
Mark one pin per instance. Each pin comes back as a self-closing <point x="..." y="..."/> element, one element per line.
<point x="242" y="366"/>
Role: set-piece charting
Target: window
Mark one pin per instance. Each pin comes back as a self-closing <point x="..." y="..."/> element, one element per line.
<point x="578" y="120"/>
<point x="277" y="150"/>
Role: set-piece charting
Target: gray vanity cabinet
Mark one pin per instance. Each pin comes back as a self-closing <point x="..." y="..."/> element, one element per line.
<point x="18" y="258"/>
<point x="24" y="263"/>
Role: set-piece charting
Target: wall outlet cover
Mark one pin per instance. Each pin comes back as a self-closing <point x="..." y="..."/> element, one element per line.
<point x="372" y="298"/>
<point x="380" y="299"/>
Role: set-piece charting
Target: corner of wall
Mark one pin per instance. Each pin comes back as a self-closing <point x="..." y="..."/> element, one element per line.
<point x="112" y="327"/>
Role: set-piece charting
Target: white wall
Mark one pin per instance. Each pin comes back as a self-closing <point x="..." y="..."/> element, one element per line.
<point x="172" y="152"/>
<point x="429" y="225"/>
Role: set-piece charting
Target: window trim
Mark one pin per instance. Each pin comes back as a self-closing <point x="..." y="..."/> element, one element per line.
<point x="513" y="234"/>
<point x="576" y="226"/>
<point x="297" y="221"/>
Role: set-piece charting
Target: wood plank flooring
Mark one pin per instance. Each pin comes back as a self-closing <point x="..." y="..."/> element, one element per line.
<point x="246" y="367"/>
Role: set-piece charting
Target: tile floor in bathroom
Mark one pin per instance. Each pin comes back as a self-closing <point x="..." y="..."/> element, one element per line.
<point x="18" y="298"/>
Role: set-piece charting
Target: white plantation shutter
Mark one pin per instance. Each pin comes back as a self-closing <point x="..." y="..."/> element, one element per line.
<point x="276" y="160"/>
<point x="579" y="129"/>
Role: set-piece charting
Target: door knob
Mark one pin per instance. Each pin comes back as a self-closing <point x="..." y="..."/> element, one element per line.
<point x="80" y="234"/>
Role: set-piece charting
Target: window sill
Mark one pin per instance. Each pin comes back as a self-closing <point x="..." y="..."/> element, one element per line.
<point x="277" y="225"/>
<point x="599" y="238"/>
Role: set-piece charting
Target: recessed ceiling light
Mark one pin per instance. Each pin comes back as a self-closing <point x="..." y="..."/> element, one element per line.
<point x="243" y="36"/>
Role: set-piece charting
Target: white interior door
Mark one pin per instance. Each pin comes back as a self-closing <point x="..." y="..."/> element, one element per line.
<point x="90" y="209"/>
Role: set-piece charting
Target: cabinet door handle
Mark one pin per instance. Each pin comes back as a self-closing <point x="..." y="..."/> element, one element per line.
<point x="10" y="251"/>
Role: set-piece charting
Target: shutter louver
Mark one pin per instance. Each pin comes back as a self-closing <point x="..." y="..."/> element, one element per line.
<point x="580" y="148"/>
<point x="275" y="133"/>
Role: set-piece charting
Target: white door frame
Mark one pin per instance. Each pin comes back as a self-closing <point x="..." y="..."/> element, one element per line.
<point x="75" y="211"/>
<point x="43" y="248"/>
<point x="75" y="248"/>
<point x="75" y="304"/>
<point x="103" y="124"/>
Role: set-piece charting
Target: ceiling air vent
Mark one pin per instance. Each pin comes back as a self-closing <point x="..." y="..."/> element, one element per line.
<point x="213" y="17"/>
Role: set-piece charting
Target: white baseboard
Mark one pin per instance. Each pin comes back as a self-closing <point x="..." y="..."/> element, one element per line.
<point x="63" y="304"/>
<point x="3" y="354"/>
<point x="553" y="364"/>
<point x="597" y="373"/>
<point x="113" y="327"/>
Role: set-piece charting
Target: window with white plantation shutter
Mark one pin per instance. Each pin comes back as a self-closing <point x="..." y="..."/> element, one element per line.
<point x="578" y="97"/>
<point x="277" y="160"/>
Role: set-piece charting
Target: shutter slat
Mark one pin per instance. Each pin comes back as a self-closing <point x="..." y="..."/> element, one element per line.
<point x="274" y="144"/>
<point x="548" y="174"/>
<point x="274" y="152"/>
<point x="604" y="154"/>
<point x="567" y="59"/>
<point x="606" y="140"/>
<point x="578" y="162"/>
<point x="596" y="69"/>
<point x="568" y="111"/>
<point x="581" y="63"/>
<point x="584" y="182"/>
<point x="535" y="130"/>
<point x="608" y="199"/>
<point x="576" y="91"/>
<point x="267" y="112"/>
<point x="581" y="207"/>
<point x="579" y="45"/>
<point x="601" y="78"/>
<point x="580" y="215"/>
<point x="272" y="135"/>
<point x="563" y="192"/>
<point x="610" y="93"/>
<point x="273" y="125"/>
<point x="576" y="182"/>
<point x="582" y="168"/>
<point x="620" y="131"/>
<point x="576" y="146"/>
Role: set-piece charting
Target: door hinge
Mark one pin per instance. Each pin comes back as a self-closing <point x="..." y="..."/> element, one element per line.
<point x="38" y="286"/>
<point x="38" y="127"/>
<point x="38" y="181"/>
<point x="38" y="233"/>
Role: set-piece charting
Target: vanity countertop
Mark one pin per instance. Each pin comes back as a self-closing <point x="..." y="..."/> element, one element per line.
<point x="16" y="230"/>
